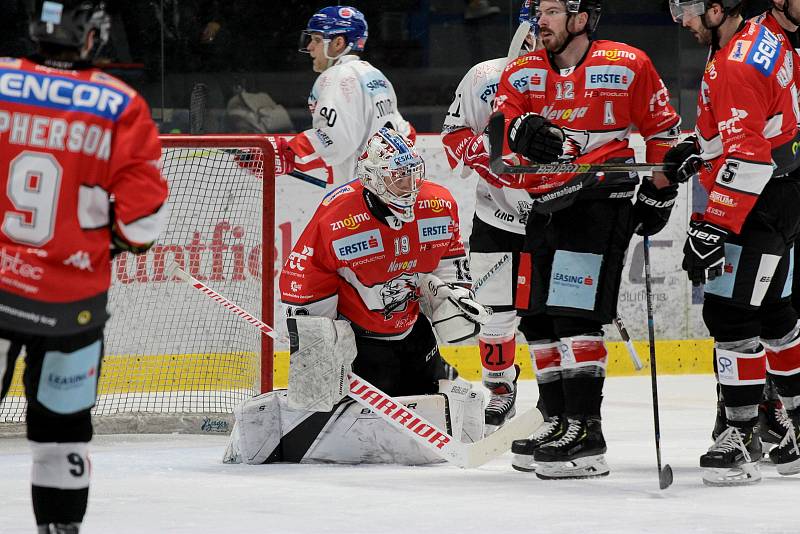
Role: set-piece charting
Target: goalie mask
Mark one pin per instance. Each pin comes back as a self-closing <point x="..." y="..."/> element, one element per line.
<point x="391" y="169"/>
<point x="68" y="23"/>
<point x="334" y="21"/>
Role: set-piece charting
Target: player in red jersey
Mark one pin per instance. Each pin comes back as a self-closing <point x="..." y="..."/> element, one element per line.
<point x="740" y="246"/>
<point x="79" y="156"/>
<point x="773" y="422"/>
<point x="367" y="258"/>
<point x="578" y="99"/>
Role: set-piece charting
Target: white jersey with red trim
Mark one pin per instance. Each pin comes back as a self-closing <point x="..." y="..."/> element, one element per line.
<point x="349" y="102"/>
<point x="747" y="122"/>
<point x="348" y="263"/>
<point x="501" y="207"/>
<point x="597" y="103"/>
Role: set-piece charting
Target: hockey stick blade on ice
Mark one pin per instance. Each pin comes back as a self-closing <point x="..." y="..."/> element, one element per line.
<point x="497" y="135"/>
<point x="392" y="411"/>
<point x="665" y="474"/>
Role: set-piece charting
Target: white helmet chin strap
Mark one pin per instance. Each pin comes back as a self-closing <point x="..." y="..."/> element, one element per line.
<point x="331" y="60"/>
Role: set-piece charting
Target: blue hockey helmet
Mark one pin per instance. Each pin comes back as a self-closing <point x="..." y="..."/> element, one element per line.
<point x="338" y="20"/>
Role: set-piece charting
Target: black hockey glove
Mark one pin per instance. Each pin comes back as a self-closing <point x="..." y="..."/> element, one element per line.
<point x="684" y="160"/>
<point x="653" y="206"/>
<point x="704" y="251"/>
<point x="120" y="245"/>
<point x="536" y="138"/>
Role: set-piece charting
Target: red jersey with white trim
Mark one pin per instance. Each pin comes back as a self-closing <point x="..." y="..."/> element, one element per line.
<point x="69" y="141"/>
<point x="747" y="122"/>
<point x="597" y="103"/>
<point x="348" y="263"/>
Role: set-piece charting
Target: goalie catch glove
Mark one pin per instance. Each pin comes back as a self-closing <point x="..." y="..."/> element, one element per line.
<point x="536" y="138"/>
<point x="454" y="312"/>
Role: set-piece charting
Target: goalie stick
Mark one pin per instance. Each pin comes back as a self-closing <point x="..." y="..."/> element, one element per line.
<point x="427" y="434"/>
<point x="496" y="136"/>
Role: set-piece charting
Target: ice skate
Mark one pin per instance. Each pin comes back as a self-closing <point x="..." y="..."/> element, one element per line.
<point x="523" y="449"/>
<point x="786" y="455"/>
<point x="733" y="459"/>
<point x="502" y="402"/>
<point x="773" y="423"/>
<point x="578" y="453"/>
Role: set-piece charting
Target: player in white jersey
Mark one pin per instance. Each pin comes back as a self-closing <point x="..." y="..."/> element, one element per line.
<point x="498" y="228"/>
<point x="349" y="102"/>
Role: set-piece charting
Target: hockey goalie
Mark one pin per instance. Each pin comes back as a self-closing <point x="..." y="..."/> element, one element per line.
<point x="379" y="268"/>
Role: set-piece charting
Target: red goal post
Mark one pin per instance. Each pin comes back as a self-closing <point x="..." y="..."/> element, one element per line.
<point x="175" y="361"/>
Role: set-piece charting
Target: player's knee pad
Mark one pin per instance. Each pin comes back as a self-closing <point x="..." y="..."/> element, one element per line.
<point x="584" y="355"/>
<point x="492" y="275"/>
<point x="783" y="365"/>
<point x="740" y="363"/>
<point x="546" y="360"/>
<point x="60" y="465"/>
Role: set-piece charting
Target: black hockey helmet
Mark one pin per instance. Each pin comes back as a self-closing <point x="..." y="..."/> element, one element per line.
<point x="67" y="23"/>
<point x="593" y="7"/>
<point x="680" y="8"/>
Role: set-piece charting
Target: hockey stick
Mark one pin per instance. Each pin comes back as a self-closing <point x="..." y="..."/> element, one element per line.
<point x="390" y="410"/>
<point x="299" y="174"/>
<point x="308" y="178"/>
<point x="665" y="474"/>
<point x="623" y="332"/>
<point x="496" y="136"/>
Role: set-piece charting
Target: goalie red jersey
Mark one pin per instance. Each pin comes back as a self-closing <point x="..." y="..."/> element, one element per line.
<point x="70" y="140"/>
<point x="597" y="104"/>
<point x="348" y="263"/>
<point x="750" y="133"/>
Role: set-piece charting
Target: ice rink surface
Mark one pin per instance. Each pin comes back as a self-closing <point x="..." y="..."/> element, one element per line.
<point x="153" y="484"/>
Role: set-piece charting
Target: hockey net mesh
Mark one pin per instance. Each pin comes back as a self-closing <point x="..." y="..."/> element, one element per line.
<point x="170" y="350"/>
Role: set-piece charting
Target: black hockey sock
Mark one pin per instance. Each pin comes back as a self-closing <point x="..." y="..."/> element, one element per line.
<point x="551" y="394"/>
<point x="583" y="395"/>
<point x="53" y="505"/>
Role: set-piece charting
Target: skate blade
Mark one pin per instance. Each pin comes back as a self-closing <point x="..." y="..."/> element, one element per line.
<point x="587" y="467"/>
<point x="789" y="468"/>
<point x="743" y="475"/>
<point x="524" y="463"/>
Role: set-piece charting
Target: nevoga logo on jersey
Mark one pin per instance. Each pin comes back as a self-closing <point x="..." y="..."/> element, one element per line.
<point x="435" y="229"/>
<point x="609" y="77"/>
<point x="358" y="245"/>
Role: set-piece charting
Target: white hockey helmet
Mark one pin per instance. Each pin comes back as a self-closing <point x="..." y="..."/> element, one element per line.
<point x="391" y="169"/>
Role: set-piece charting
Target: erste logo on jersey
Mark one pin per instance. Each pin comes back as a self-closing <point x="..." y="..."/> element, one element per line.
<point x="435" y="229"/>
<point x="358" y="245"/>
<point x="609" y="77"/>
<point x="528" y="80"/>
<point x="764" y="52"/>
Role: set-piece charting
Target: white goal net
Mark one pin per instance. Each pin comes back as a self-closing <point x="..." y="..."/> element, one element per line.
<point x="174" y="359"/>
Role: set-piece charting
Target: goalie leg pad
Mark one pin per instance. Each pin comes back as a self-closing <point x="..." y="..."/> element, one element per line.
<point x="465" y="409"/>
<point x="322" y="353"/>
<point x="267" y="430"/>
